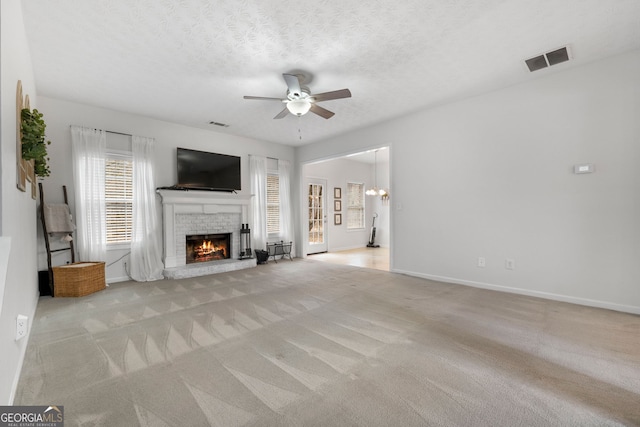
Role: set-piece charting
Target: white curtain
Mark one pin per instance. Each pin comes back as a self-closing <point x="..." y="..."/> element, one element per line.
<point x="88" y="151"/>
<point x="258" y="176"/>
<point x="146" y="258"/>
<point x="284" y="175"/>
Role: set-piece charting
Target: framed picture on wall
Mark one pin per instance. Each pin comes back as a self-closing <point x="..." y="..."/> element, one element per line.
<point x="337" y="193"/>
<point x="337" y="219"/>
<point x="337" y="205"/>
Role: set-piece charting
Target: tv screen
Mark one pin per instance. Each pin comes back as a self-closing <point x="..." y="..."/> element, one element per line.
<point x="200" y="170"/>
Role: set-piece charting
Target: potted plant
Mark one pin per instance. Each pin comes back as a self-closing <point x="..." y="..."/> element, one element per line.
<point x="34" y="145"/>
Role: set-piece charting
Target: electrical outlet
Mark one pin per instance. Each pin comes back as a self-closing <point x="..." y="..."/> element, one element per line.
<point x="482" y="262"/>
<point x="509" y="264"/>
<point x="22" y="326"/>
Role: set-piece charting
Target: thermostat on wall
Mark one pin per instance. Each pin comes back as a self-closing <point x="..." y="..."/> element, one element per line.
<point x="585" y="168"/>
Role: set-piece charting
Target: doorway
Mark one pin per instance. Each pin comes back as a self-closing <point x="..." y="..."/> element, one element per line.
<point x="344" y="231"/>
<point x="317" y="216"/>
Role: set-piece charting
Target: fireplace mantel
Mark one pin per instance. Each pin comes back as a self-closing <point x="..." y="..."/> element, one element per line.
<point x="178" y="202"/>
<point x="195" y="197"/>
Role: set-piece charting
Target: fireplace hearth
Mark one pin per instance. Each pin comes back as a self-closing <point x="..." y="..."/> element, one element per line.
<point x="208" y="247"/>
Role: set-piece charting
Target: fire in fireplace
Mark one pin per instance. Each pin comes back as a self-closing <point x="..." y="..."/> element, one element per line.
<point x="208" y="247"/>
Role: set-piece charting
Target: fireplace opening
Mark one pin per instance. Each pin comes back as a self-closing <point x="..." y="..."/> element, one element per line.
<point x="208" y="247"/>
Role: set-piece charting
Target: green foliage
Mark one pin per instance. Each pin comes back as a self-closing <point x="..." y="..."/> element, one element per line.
<point x="34" y="145"/>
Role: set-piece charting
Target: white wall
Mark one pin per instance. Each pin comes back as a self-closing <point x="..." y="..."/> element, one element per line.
<point x="492" y="176"/>
<point x="59" y="115"/>
<point x="18" y="210"/>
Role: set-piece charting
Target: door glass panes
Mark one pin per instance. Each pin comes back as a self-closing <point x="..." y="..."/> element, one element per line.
<point x="316" y="214"/>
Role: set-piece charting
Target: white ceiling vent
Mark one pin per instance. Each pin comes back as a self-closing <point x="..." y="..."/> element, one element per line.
<point x="548" y="59"/>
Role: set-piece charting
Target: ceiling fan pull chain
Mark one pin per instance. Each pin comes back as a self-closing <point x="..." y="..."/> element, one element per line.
<point x="299" y="131"/>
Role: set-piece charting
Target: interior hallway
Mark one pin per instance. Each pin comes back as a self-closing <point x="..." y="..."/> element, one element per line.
<point x="376" y="258"/>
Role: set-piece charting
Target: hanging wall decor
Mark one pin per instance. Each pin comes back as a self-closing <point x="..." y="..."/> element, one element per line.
<point x="34" y="143"/>
<point x="25" y="170"/>
<point x="21" y="167"/>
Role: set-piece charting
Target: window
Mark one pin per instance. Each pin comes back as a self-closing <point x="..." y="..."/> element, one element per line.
<point x="119" y="197"/>
<point x="355" y="206"/>
<point x="273" y="203"/>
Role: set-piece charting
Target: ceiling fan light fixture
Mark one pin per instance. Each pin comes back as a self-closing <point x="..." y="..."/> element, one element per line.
<point x="299" y="107"/>
<point x="299" y="100"/>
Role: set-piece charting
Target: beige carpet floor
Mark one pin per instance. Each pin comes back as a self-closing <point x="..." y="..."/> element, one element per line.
<point x="307" y="343"/>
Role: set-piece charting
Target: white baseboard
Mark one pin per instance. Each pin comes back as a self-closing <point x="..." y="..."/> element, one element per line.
<point x="23" y="353"/>
<point x="546" y="295"/>
<point x="117" y="279"/>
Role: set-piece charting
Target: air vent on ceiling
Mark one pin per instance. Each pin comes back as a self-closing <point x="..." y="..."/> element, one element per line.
<point x="548" y="59"/>
<point x="219" y="124"/>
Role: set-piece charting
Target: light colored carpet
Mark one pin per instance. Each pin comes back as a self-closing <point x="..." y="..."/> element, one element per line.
<point x="307" y="343"/>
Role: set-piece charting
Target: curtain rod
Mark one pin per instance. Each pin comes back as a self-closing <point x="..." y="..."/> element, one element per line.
<point x="112" y="131"/>
<point x="118" y="133"/>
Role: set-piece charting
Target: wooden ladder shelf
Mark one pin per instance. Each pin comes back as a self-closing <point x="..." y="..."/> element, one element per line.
<point x="46" y="235"/>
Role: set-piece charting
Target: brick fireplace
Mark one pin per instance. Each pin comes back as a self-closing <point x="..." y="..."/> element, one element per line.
<point x="201" y="213"/>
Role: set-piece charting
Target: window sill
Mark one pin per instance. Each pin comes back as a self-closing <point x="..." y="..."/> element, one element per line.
<point x="118" y="246"/>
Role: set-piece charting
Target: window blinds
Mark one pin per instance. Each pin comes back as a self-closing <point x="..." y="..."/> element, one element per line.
<point x="119" y="199"/>
<point x="273" y="203"/>
<point x="355" y="205"/>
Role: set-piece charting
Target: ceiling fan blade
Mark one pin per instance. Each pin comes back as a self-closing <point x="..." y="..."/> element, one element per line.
<point x="336" y="94"/>
<point x="322" y="112"/>
<point x="264" y="98"/>
<point x="282" y="113"/>
<point x="293" y="84"/>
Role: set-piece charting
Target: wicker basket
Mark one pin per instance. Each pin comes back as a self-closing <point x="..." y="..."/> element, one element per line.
<point x="78" y="279"/>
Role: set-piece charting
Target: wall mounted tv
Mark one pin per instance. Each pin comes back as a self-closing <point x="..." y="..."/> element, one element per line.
<point x="200" y="170"/>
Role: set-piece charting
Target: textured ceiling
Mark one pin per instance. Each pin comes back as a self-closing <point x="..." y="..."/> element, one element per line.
<point x="191" y="61"/>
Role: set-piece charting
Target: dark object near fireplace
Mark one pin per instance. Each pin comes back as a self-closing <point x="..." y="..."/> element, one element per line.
<point x="262" y="256"/>
<point x="208" y="247"/>
<point x="281" y="248"/>
<point x="245" y="242"/>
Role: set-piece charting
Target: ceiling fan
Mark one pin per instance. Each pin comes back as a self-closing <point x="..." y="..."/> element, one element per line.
<point x="299" y="100"/>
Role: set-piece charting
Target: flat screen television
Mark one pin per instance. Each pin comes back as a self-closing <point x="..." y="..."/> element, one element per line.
<point x="200" y="170"/>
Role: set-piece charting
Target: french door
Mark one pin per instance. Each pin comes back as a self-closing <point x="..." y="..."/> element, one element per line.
<point x="317" y="236"/>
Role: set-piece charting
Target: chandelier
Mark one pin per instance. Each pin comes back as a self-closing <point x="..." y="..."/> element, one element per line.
<point x="375" y="190"/>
